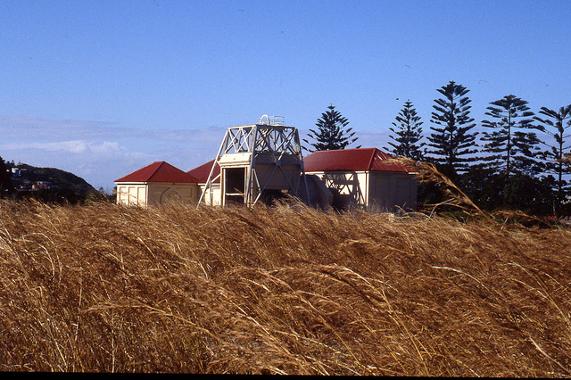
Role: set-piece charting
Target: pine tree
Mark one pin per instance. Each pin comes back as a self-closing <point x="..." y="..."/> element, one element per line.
<point x="451" y="140"/>
<point x="511" y="149"/>
<point x="512" y="146"/>
<point x="332" y="132"/>
<point x="407" y="133"/>
<point x="556" y="123"/>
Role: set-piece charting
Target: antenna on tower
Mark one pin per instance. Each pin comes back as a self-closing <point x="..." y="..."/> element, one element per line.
<point x="271" y="120"/>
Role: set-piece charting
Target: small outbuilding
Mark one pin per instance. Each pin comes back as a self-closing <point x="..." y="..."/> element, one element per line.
<point x="157" y="183"/>
<point x="364" y="177"/>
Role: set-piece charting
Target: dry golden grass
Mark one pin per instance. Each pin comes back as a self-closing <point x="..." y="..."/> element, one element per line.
<point x="284" y="290"/>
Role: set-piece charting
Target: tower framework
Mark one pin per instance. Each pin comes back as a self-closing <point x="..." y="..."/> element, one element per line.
<point x="257" y="162"/>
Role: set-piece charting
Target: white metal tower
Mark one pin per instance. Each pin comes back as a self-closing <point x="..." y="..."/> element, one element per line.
<point x="258" y="161"/>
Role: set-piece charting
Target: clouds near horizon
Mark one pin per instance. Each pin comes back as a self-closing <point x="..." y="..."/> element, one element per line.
<point x="101" y="151"/>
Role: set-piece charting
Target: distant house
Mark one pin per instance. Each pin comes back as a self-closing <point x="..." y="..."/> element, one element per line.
<point x="364" y="177"/>
<point x="15" y="172"/>
<point x="41" y="185"/>
<point x="157" y="183"/>
<point x="24" y="185"/>
<point x="201" y="174"/>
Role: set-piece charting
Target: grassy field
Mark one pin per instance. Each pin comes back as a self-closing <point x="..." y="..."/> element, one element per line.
<point x="285" y="290"/>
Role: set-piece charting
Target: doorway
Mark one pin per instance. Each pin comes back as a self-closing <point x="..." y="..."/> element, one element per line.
<point x="234" y="185"/>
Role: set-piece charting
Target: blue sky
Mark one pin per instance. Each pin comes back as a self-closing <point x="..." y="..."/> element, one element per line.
<point x="101" y="88"/>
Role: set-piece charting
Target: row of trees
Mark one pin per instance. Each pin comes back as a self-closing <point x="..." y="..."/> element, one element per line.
<point x="521" y="160"/>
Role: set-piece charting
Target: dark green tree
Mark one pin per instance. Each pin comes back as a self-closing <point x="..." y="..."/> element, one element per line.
<point x="451" y="141"/>
<point x="5" y="183"/>
<point x="511" y="146"/>
<point x="407" y="133"/>
<point x="556" y="123"/>
<point x="331" y="133"/>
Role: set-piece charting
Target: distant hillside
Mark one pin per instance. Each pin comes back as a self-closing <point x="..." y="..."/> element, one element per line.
<point x="50" y="184"/>
<point x="58" y="177"/>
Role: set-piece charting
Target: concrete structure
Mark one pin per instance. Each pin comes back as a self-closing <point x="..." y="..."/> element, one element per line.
<point x="157" y="183"/>
<point x="255" y="162"/>
<point x="364" y="177"/>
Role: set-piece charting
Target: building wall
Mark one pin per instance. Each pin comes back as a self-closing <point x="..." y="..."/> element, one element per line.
<point x="391" y="191"/>
<point x="132" y="194"/>
<point x="349" y="189"/>
<point x="143" y="194"/>
<point x="214" y="192"/>
<point x="162" y="193"/>
<point x="377" y="191"/>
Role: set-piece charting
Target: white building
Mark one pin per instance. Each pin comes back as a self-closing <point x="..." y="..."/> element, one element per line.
<point x="364" y="177"/>
<point x="157" y="183"/>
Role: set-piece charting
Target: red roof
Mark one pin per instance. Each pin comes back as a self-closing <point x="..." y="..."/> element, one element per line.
<point x="360" y="159"/>
<point x="159" y="171"/>
<point x="201" y="172"/>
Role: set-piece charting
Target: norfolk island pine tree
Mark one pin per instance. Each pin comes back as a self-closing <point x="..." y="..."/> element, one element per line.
<point x="452" y="144"/>
<point x="331" y="132"/>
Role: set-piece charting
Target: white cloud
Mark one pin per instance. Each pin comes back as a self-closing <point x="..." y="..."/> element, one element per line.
<point x="71" y="146"/>
<point x="101" y="151"/>
<point x="74" y="146"/>
<point x="106" y="147"/>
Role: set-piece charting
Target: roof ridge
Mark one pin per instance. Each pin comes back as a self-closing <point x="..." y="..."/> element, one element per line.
<point x="159" y="171"/>
<point x="372" y="158"/>
<point x="161" y="163"/>
<point x="340" y="150"/>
